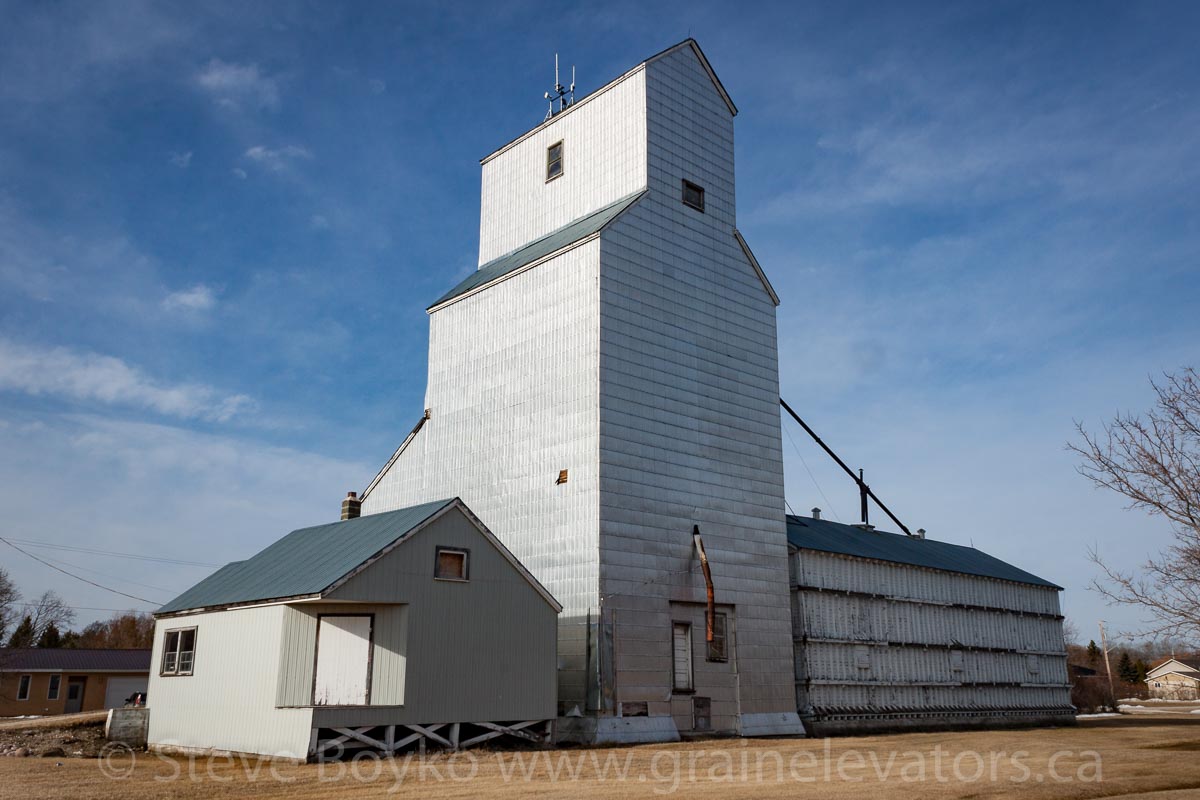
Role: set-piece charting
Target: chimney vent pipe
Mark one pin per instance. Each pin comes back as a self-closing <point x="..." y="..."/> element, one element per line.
<point x="816" y="513"/>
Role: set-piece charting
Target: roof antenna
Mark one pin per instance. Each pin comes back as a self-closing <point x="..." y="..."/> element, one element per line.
<point x="564" y="95"/>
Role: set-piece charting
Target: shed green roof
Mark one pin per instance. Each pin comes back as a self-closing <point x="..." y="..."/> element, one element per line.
<point x="540" y="248"/>
<point x="807" y="533"/>
<point x="306" y="561"/>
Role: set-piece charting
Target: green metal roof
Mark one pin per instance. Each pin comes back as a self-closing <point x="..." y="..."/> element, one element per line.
<point x="848" y="540"/>
<point x="540" y="248"/>
<point x="306" y="561"/>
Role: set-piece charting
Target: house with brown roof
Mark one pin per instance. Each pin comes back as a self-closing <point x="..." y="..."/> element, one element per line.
<point x="39" y="681"/>
<point x="1175" y="678"/>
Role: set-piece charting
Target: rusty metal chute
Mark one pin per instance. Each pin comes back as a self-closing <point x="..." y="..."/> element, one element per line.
<point x="710" y="610"/>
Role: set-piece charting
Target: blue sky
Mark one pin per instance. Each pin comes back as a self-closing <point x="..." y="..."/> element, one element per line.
<point x="220" y="227"/>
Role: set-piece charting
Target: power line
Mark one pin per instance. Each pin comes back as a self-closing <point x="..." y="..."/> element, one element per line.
<point x="810" y="475"/>
<point x="121" y="578"/>
<point x="84" y="608"/>
<point x="89" y="551"/>
<point x="76" y="577"/>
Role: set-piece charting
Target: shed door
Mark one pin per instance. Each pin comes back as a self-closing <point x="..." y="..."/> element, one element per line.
<point x="343" y="661"/>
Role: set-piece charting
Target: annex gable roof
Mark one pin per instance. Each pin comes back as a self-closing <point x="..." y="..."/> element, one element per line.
<point x="806" y="533"/>
<point x="309" y="562"/>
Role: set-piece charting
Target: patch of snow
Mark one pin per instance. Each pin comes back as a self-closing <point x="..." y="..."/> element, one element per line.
<point x="1106" y="714"/>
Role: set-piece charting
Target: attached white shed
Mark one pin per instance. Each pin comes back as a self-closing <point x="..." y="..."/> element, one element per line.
<point x="373" y="632"/>
<point x="898" y="632"/>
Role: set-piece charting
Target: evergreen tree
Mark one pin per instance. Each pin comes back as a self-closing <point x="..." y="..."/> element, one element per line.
<point x="1142" y="669"/>
<point x="1093" y="652"/>
<point x="50" y="637"/>
<point x="1126" y="671"/>
<point x="24" y="634"/>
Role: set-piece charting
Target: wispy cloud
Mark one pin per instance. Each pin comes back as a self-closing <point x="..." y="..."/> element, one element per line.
<point x="181" y="160"/>
<point x="197" y="298"/>
<point x="238" y="85"/>
<point x="91" y="377"/>
<point x="238" y="173"/>
<point x="277" y="159"/>
<point x="125" y="477"/>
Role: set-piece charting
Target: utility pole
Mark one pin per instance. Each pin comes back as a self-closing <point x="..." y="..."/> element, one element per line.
<point x="1112" y="693"/>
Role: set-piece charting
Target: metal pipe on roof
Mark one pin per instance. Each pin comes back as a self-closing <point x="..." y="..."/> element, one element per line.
<point x="864" y="490"/>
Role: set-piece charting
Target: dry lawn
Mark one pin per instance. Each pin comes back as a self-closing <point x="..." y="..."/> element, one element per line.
<point x="1151" y="756"/>
<point x="56" y="722"/>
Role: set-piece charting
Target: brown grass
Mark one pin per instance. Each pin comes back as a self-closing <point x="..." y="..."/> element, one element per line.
<point x="56" y="721"/>
<point x="1139" y="756"/>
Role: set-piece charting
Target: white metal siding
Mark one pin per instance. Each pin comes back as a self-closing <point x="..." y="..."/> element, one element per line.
<point x="513" y="395"/>
<point x="604" y="143"/>
<point x="689" y="410"/>
<point x="228" y="703"/>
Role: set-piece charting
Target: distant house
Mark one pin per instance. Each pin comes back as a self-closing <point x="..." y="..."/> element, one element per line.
<point x="1175" y="679"/>
<point x="372" y="632"/>
<point x="39" y="681"/>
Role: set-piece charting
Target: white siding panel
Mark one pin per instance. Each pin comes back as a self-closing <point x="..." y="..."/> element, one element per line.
<point x="514" y="399"/>
<point x="605" y="160"/>
<point x="228" y="703"/>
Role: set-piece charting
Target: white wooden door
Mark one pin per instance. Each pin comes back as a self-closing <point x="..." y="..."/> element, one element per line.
<point x="682" y="655"/>
<point x="343" y="661"/>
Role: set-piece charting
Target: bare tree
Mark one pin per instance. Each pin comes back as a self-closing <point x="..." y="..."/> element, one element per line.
<point x="9" y="603"/>
<point x="130" y="630"/>
<point x="1154" y="461"/>
<point x="1070" y="632"/>
<point x="50" y="609"/>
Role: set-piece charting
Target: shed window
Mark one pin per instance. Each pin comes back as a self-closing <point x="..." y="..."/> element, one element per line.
<point x="693" y="195"/>
<point x="451" y="564"/>
<point x="23" y="687"/>
<point x="681" y="654"/>
<point x="55" y="685"/>
<point x="179" y="652"/>
<point x="554" y="161"/>
<point x="717" y="648"/>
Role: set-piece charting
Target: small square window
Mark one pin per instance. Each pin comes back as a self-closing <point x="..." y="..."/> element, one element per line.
<point x="451" y="564"/>
<point x="179" y="652"/>
<point x="693" y="195"/>
<point x="554" y="161"/>
<point x="55" y="686"/>
<point x="717" y="648"/>
<point x="23" y="687"/>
